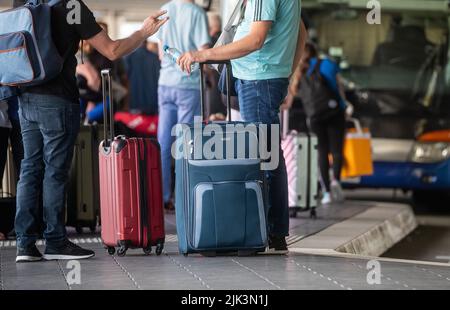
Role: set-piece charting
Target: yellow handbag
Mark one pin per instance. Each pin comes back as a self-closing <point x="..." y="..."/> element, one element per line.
<point x="357" y="152"/>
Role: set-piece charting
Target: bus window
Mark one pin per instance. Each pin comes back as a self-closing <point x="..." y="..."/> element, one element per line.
<point x="393" y="70"/>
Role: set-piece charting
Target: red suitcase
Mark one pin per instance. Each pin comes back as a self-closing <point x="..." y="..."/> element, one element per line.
<point x="131" y="202"/>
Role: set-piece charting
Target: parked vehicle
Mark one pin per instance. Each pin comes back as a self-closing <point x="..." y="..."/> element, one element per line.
<point x="397" y="77"/>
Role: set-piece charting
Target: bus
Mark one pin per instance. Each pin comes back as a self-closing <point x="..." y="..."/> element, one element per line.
<point x="393" y="57"/>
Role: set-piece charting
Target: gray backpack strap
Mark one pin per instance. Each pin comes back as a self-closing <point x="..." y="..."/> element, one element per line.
<point x="49" y="3"/>
<point x="239" y="9"/>
<point x="53" y="2"/>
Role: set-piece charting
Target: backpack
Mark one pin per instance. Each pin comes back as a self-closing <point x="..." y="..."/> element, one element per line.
<point x="28" y="55"/>
<point x="319" y="100"/>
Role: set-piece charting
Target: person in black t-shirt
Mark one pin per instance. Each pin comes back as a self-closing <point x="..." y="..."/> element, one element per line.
<point x="50" y="120"/>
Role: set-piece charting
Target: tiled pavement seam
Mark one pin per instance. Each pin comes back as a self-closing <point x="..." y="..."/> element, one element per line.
<point x="390" y="279"/>
<point x="127" y="273"/>
<point x="256" y="273"/>
<point x="186" y="269"/>
<point x="61" y="269"/>
<point x="1" y="272"/>
<point x="319" y="274"/>
<point x="440" y="276"/>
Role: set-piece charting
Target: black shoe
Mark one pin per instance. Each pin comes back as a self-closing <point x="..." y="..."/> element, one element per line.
<point x="277" y="245"/>
<point x="66" y="252"/>
<point x="28" y="255"/>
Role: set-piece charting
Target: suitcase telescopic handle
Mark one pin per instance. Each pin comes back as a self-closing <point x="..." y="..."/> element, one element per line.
<point x="227" y="64"/>
<point x="285" y="122"/>
<point x="107" y="96"/>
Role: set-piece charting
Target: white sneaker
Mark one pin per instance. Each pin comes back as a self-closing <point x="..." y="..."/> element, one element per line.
<point x="326" y="199"/>
<point x="337" y="194"/>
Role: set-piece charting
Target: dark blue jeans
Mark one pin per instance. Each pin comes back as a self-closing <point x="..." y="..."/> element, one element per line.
<point x="260" y="101"/>
<point x="50" y="126"/>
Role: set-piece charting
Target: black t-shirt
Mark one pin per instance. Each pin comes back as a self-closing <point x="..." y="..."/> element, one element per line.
<point x="67" y="40"/>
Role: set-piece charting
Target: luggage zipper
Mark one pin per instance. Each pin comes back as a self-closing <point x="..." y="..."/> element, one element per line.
<point x="143" y="201"/>
<point x="308" y="173"/>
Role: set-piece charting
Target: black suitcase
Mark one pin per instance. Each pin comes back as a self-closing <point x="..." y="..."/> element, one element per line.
<point x="83" y="198"/>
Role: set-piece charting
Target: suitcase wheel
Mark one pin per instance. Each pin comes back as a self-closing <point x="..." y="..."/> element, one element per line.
<point x="185" y="254"/>
<point x="159" y="248"/>
<point x="93" y="228"/>
<point x="122" y="251"/>
<point x="293" y="213"/>
<point x="123" y="248"/>
<point x="79" y="229"/>
<point x="147" y="250"/>
<point x="111" y="250"/>
<point x="313" y="213"/>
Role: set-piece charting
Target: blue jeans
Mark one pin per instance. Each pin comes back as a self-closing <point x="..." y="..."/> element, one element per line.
<point x="176" y="106"/>
<point x="50" y="126"/>
<point x="260" y="102"/>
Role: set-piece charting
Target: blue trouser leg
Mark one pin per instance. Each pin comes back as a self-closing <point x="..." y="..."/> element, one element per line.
<point x="50" y="126"/>
<point x="175" y="106"/>
<point x="167" y="119"/>
<point x="260" y="102"/>
<point x="188" y="103"/>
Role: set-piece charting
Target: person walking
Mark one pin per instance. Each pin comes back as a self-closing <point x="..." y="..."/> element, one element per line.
<point x="318" y="80"/>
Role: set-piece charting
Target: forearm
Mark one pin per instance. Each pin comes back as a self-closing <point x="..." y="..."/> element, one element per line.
<point x="238" y="49"/>
<point x="301" y="42"/>
<point x="125" y="46"/>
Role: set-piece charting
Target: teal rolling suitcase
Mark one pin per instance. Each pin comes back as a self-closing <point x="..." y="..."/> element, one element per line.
<point x="220" y="203"/>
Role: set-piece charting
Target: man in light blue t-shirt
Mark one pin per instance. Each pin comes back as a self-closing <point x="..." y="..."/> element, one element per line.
<point x="178" y="92"/>
<point x="266" y="49"/>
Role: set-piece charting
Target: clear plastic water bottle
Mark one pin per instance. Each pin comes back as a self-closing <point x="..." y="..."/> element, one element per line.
<point x="174" y="54"/>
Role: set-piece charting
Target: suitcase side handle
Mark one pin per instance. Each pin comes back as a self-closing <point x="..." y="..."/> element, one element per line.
<point x="107" y="95"/>
<point x="227" y="63"/>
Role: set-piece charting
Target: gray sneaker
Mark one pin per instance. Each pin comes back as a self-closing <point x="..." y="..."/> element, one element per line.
<point x="337" y="193"/>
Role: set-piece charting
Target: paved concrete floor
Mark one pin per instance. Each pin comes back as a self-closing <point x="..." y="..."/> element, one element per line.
<point x="172" y="271"/>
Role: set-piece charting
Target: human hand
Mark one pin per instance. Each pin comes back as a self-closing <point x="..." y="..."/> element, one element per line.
<point x="349" y="110"/>
<point x="186" y="60"/>
<point x="152" y="24"/>
<point x="217" y="117"/>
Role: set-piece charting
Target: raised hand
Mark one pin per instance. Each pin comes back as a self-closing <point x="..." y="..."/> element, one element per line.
<point x="152" y="23"/>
